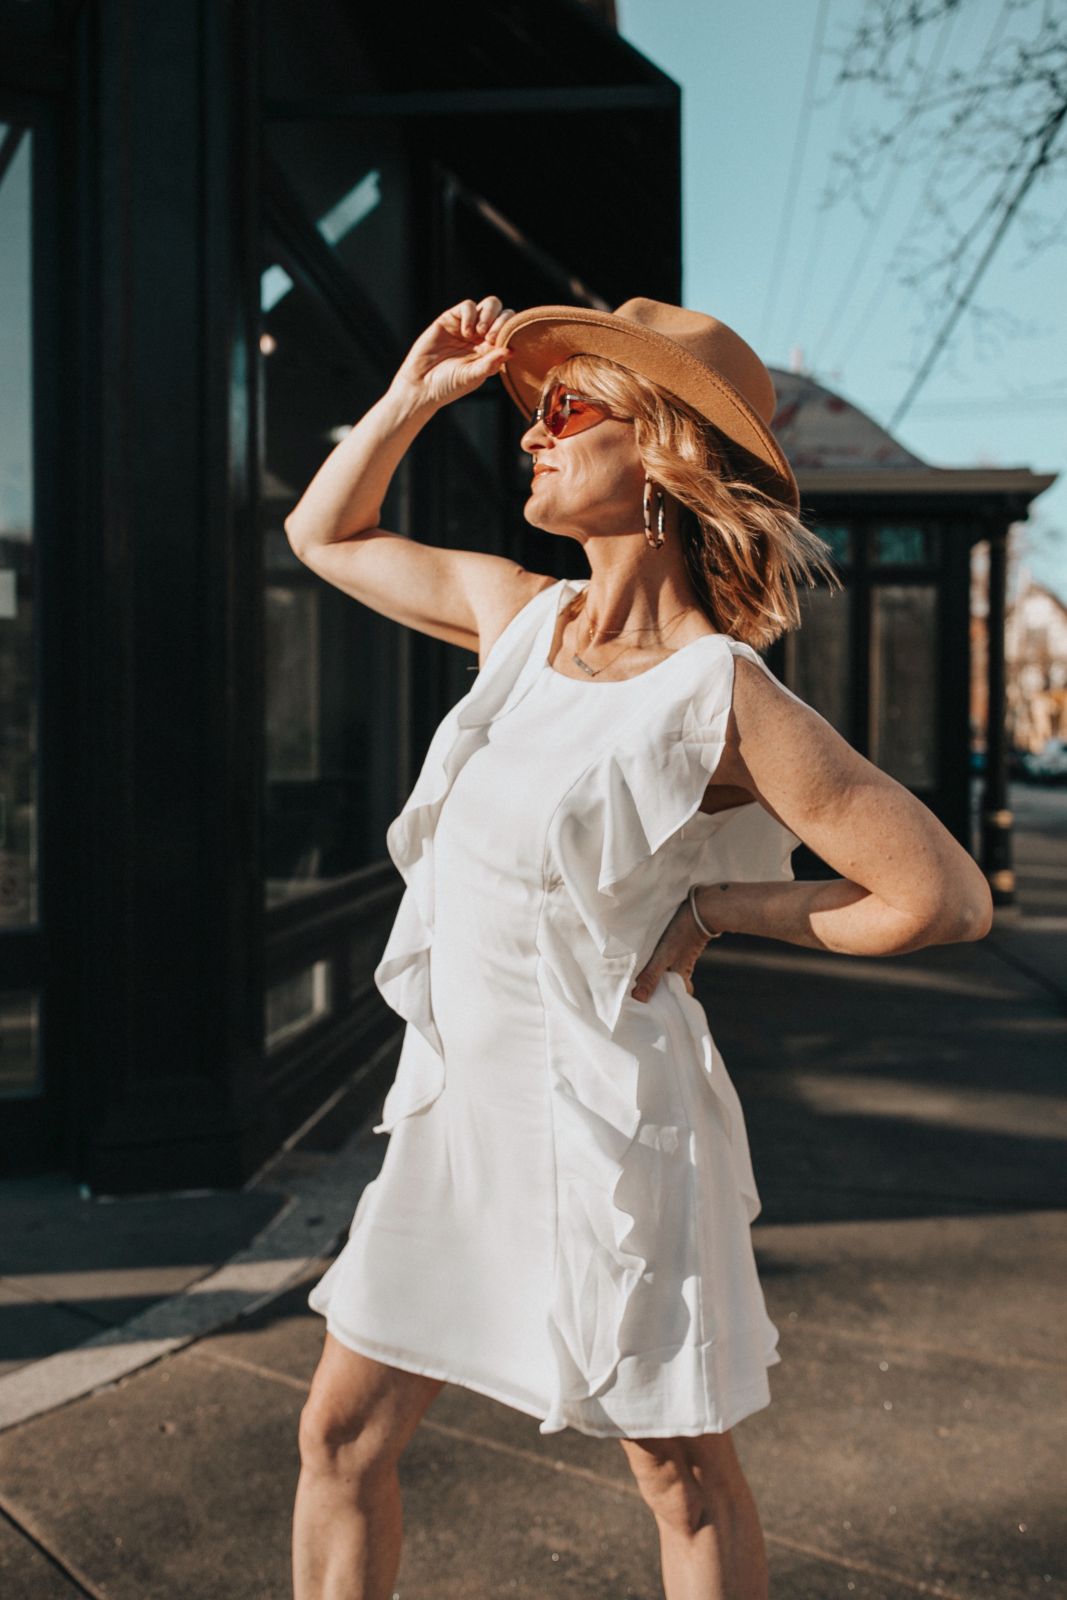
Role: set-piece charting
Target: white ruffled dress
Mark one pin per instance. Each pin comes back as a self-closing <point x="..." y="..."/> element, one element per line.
<point x="562" y="1218"/>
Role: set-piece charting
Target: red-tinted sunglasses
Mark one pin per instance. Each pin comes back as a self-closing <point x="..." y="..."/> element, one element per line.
<point x="565" y="412"/>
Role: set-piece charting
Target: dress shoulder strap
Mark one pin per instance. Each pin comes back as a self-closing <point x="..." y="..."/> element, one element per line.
<point x="525" y="626"/>
<point x="515" y="658"/>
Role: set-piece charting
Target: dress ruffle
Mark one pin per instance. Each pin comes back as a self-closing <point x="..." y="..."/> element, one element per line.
<point x="629" y="838"/>
<point x="403" y="973"/>
<point x="605" y="1149"/>
<point x="622" y="848"/>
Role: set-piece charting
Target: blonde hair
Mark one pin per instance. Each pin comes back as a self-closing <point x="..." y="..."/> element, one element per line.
<point x="745" y="550"/>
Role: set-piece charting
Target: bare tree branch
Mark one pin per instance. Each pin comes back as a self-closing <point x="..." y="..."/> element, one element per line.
<point x="996" y="126"/>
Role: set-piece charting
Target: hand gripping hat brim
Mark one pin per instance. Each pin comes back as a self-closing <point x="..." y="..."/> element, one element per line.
<point x="694" y="357"/>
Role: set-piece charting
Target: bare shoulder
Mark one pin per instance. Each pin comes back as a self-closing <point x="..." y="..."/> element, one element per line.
<point x="770" y="733"/>
<point x="502" y="590"/>
<point x="765" y="712"/>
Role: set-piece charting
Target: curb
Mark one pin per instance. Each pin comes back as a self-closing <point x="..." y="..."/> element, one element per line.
<point x="316" y="1215"/>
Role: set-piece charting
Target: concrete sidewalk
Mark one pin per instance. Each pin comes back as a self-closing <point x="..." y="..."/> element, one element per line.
<point x="907" y="1122"/>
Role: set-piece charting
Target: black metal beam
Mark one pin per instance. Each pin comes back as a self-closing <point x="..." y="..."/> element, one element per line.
<point x="571" y="289"/>
<point x="476" y="102"/>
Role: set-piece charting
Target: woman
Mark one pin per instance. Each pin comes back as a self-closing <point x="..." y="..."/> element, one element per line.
<point x="562" y="1217"/>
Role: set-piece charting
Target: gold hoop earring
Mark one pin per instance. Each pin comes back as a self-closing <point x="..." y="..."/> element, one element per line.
<point x="661" y="515"/>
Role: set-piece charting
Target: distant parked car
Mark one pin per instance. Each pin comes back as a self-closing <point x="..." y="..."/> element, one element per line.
<point x="1049" y="765"/>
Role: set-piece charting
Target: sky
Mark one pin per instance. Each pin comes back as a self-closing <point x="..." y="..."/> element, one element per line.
<point x="810" y="285"/>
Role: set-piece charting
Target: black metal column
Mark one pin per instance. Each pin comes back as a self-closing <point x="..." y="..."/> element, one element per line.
<point x="170" y="1067"/>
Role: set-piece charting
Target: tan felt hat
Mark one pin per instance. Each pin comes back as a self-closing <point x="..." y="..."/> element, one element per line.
<point x="694" y="357"/>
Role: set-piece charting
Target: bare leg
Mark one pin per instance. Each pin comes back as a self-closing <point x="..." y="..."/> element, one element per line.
<point x="710" y="1539"/>
<point x="347" y="1526"/>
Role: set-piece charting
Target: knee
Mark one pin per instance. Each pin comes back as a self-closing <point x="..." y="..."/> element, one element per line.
<point x="669" y="1488"/>
<point x="335" y="1442"/>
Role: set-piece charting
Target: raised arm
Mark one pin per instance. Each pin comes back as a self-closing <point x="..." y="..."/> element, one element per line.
<point x="463" y="597"/>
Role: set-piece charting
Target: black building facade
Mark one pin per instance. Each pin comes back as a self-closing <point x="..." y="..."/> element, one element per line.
<point x="223" y="224"/>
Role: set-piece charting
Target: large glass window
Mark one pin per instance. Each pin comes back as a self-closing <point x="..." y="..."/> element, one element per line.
<point x="350" y="181"/>
<point x="904" y="687"/>
<point x="332" y="680"/>
<point x="818" y="654"/>
<point x="18" y="687"/>
<point x="20" y="1061"/>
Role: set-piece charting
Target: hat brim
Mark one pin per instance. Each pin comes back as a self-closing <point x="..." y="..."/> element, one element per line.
<point x="543" y="336"/>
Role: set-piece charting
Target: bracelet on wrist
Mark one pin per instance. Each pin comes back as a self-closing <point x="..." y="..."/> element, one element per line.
<point x="696" y="915"/>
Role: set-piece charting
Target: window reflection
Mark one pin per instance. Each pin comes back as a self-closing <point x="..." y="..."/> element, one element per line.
<point x="351" y="181"/>
<point x="293" y="1005"/>
<point x="19" y="1044"/>
<point x="18" y="685"/>
<point x="332" y="710"/>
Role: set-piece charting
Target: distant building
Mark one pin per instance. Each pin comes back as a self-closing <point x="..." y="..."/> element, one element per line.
<point x="1036" y="650"/>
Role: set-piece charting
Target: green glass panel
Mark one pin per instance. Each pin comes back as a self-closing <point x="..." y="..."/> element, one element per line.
<point x="839" y="537"/>
<point x="901" y="543"/>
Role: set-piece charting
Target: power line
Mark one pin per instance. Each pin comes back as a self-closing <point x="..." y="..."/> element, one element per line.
<point x="866" y="318"/>
<point x="1004" y="404"/>
<point x="853" y="276"/>
<point x="1048" y="137"/>
<point x="785" y="227"/>
<point x="819" y="231"/>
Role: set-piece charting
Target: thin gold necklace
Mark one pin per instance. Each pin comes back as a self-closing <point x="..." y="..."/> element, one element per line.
<point x="621" y="633"/>
<point x="594" y="672"/>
